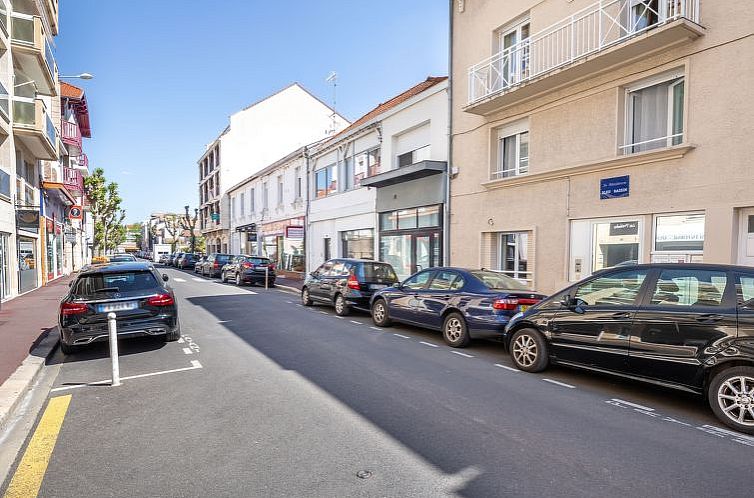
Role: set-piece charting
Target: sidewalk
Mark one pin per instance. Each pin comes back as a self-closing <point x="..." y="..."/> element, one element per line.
<point x="25" y="320"/>
<point x="290" y="283"/>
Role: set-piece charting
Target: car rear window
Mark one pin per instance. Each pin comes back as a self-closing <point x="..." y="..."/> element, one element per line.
<point x="92" y="285"/>
<point x="223" y="257"/>
<point x="377" y="272"/>
<point x="498" y="281"/>
<point x="258" y="261"/>
<point x="121" y="259"/>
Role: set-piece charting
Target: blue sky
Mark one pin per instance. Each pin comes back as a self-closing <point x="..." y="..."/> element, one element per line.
<point x="168" y="73"/>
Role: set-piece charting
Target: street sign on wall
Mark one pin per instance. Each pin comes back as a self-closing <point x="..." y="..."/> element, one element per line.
<point x="294" y="232"/>
<point x="75" y="213"/>
<point x="613" y="188"/>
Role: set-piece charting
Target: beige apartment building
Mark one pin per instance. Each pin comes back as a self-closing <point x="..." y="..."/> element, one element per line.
<point x="589" y="134"/>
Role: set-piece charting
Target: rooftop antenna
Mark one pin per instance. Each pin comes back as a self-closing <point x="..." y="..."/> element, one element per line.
<point x="333" y="78"/>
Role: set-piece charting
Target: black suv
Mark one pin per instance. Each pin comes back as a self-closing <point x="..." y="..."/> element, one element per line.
<point x="135" y="292"/>
<point x="686" y="326"/>
<point x="249" y="269"/>
<point x="213" y="266"/>
<point x="347" y="283"/>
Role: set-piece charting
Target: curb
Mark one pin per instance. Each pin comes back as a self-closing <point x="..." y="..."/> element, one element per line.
<point x="19" y="383"/>
<point x="288" y="288"/>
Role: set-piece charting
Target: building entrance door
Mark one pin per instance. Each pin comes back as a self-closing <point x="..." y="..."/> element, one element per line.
<point x="409" y="253"/>
<point x="746" y="237"/>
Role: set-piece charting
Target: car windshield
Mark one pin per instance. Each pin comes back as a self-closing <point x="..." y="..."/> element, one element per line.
<point x="122" y="282"/>
<point x="122" y="258"/>
<point x="498" y="281"/>
<point x="378" y="272"/>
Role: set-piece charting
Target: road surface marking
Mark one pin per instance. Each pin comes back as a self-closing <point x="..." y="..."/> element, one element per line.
<point x="339" y="317"/>
<point x="557" y="383"/>
<point x="376" y="328"/>
<point x="179" y="279"/>
<point x="197" y="279"/>
<point x="324" y="312"/>
<point x="628" y="403"/>
<point x="354" y="321"/>
<point x="298" y="304"/>
<point x="462" y="354"/>
<point x="180" y="340"/>
<point x="31" y="470"/>
<point x="194" y="365"/>
<point x="429" y="344"/>
<point x="187" y="351"/>
<point x="403" y="336"/>
<point x="290" y="302"/>
<point x="507" y="367"/>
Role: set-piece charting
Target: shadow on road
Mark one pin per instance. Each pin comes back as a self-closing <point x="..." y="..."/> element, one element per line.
<point x="99" y="350"/>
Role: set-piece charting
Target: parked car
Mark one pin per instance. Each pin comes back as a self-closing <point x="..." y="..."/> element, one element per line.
<point x="187" y="261"/>
<point x="249" y="269"/>
<point x="141" y="299"/>
<point x="461" y="303"/>
<point x="199" y="263"/>
<point x="686" y="326"/>
<point x="213" y="266"/>
<point x="173" y="256"/>
<point x="122" y="258"/>
<point x="164" y="259"/>
<point x="347" y="283"/>
<point x="177" y="258"/>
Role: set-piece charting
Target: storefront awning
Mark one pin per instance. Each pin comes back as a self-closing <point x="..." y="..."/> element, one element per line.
<point x="251" y="227"/>
<point x="406" y="173"/>
<point x="59" y="190"/>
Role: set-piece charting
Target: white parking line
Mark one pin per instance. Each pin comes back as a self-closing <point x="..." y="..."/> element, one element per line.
<point x="376" y="328"/>
<point x="354" y="321"/>
<point x="557" y="383"/>
<point x="403" y="336"/>
<point x="194" y="365"/>
<point x="290" y="302"/>
<point x="635" y="405"/>
<point x="197" y="279"/>
<point x="179" y="279"/>
<point x="462" y="354"/>
<point x="324" y="312"/>
<point x="187" y="351"/>
<point x="429" y="344"/>
<point x="507" y="367"/>
<point x="339" y="317"/>
<point x="298" y="304"/>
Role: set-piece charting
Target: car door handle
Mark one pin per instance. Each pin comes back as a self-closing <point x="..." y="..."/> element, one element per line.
<point x="709" y="318"/>
<point x="620" y="315"/>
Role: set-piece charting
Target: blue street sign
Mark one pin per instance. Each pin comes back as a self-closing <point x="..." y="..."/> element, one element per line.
<point x="612" y="188"/>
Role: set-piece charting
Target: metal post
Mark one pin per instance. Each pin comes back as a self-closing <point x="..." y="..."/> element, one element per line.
<point x="266" y="273"/>
<point x="113" y="329"/>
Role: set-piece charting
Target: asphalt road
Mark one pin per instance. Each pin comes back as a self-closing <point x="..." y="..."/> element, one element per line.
<point x="265" y="397"/>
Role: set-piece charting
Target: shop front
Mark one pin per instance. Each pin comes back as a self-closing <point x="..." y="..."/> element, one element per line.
<point x="410" y="206"/>
<point x="56" y="201"/>
<point x="283" y="242"/>
<point x="27" y="236"/>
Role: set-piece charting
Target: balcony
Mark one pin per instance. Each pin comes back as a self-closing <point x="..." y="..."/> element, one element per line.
<point x="33" y="126"/>
<point x="71" y="136"/>
<point x="593" y="40"/>
<point x="73" y="180"/>
<point x="33" y="53"/>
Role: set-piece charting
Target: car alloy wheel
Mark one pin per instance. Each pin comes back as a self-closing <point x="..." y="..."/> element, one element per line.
<point x="379" y="313"/>
<point x="735" y="398"/>
<point x="454" y="331"/>
<point x="341" y="306"/>
<point x="306" y="300"/>
<point x="525" y="350"/>
<point x="528" y="350"/>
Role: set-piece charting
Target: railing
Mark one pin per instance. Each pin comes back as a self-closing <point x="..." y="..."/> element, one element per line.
<point x="654" y="143"/>
<point x="73" y="179"/>
<point x="590" y="30"/>
<point x="25" y="115"/>
<point x="28" y="30"/>
<point x="4" y="16"/>
<point x="4" y="101"/>
<point x="50" y="132"/>
<point x="70" y="133"/>
<point x="84" y="161"/>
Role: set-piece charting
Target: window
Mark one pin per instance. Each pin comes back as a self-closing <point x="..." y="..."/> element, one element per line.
<point x="252" y="201"/>
<point x="326" y="181"/>
<point x="327" y="249"/>
<point x="654" y="116"/>
<point x="299" y="183"/>
<point x="679" y="233"/>
<point x="280" y="190"/>
<point x="243" y="204"/>
<point x="514" y="49"/>
<point x="620" y="288"/>
<point x="418" y="281"/>
<point x="265" y="196"/>
<point x="414" y="156"/>
<point x="513" y="255"/>
<point x="338" y="269"/>
<point x="497" y="281"/>
<point x="348" y="173"/>
<point x="358" y="244"/>
<point x="373" y="161"/>
<point x="689" y="288"/>
<point x="745" y="290"/>
<point x="512" y="156"/>
<point x="233" y="208"/>
<point x="644" y="13"/>
<point x="379" y="272"/>
<point x="446" y="281"/>
<point x="406" y="219"/>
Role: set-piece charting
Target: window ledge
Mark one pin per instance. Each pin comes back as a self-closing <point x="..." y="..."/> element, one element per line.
<point x="624" y="161"/>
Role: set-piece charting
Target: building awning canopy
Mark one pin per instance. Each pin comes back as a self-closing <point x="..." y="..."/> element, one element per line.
<point x="406" y="173"/>
<point x="59" y="190"/>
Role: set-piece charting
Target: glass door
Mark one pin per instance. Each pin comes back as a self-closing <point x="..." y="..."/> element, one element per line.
<point x="411" y="252"/>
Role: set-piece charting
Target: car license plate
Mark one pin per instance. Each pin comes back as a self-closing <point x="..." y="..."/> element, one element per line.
<point x="123" y="306"/>
<point x="524" y="308"/>
<point x="377" y="286"/>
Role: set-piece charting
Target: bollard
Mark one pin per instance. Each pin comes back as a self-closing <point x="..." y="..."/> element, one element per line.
<point x="113" y="329"/>
<point x="266" y="273"/>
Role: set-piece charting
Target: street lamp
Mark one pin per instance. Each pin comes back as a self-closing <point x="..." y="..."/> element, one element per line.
<point x="80" y="76"/>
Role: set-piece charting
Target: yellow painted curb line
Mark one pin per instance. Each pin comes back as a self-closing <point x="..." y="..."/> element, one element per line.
<point x="31" y="470"/>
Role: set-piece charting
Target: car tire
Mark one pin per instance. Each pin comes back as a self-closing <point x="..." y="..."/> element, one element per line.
<point x="380" y="314"/>
<point x="455" y="332"/>
<point x="528" y="350"/>
<point x="306" y="299"/>
<point x="731" y="397"/>
<point x="67" y="349"/>
<point x="341" y="305"/>
<point x="173" y="335"/>
<point x="239" y="282"/>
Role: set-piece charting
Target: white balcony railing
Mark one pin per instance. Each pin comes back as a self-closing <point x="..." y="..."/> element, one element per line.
<point x="590" y="30"/>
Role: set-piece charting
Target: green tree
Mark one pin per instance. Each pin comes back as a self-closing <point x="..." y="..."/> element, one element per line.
<point x="107" y="214"/>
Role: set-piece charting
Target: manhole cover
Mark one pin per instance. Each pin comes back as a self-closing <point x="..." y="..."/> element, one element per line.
<point x="363" y="474"/>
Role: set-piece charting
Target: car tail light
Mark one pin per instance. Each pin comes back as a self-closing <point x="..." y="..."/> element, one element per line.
<point x="68" y="309"/>
<point x="247" y="265"/>
<point x="271" y="266"/>
<point x="161" y="300"/>
<point x="353" y="282"/>
<point x="216" y="265"/>
<point x="511" y="303"/>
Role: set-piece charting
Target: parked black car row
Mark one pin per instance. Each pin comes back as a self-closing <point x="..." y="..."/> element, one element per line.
<point x="685" y="326"/>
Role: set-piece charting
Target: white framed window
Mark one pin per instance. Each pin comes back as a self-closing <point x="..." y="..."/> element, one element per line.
<point x="513" y="255"/>
<point x="326" y="181"/>
<point x="280" y="190"/>
<point x="265" y="196"/>
<point x="511" y="151"/>
<point x="603" y="243"/>
<point x="243" y="205"/>
<point x="512" y="43"/>
<point x="678" y="237"/>
<point x="412" y="157"/>
<point x="299" y="183"/>
<point x="654" y="113"/>
<point x="252" y="201"/>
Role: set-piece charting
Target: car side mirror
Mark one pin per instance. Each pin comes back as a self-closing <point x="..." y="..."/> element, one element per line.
<point x="165" y="277"/>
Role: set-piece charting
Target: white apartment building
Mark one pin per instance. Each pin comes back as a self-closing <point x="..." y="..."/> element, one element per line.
<point x="267" y="214"/>
<point x="378" y="188"/>
<point x="256" y="137"/>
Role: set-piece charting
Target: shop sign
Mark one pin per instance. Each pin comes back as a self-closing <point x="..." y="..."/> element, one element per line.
<point x="50" y="225"/>
<point x="624" y="228"/>
<point x="215" y="216"/>
<point x="75" y="213"/>
<point x="70" y="237"/>
<point x="613" y="188"/>
<point x="294" y="232"/>
<point x="27" y="219"/>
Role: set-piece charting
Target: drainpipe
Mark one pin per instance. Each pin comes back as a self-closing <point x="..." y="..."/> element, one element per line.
<point x="306" y="214"/>
<point x="448" y="173"/>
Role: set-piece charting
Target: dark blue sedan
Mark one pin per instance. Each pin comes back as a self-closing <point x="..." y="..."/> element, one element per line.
<point x="457" y="301"/>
